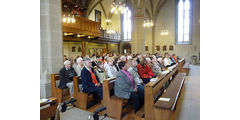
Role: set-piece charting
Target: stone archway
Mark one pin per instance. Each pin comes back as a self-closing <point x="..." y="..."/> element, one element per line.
<point x="127" y="48"/>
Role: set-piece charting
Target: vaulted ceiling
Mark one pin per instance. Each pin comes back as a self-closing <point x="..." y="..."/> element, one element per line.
<point x="152" y="7"/>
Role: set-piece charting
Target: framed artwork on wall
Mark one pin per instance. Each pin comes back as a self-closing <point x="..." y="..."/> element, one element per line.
<point x="73" y="49"/>
<point x="98" y="16"/>
<point x="171" y="47"/>
<point x="158" y="48"/>
<point x="164" y="47"/>
<point x="146" y="48"/>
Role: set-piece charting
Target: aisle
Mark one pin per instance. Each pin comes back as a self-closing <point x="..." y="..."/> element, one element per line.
<point x="188" y="107"/>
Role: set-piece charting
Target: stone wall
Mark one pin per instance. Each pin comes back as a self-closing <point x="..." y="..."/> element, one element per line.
<point x="166" y="17"/>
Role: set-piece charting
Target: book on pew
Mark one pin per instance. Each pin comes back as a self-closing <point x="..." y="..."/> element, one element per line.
<point x="165" y="72"/>
<point x="164" y="99"/>
<point x="153" y="79"/>
<point x="44" y="100"/>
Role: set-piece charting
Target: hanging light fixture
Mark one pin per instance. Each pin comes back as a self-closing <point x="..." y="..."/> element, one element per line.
<point x="118" y="6"/>
<point x="164" y="31"/>
<point x="69" y="18"/>
<point x="147" y="23"/>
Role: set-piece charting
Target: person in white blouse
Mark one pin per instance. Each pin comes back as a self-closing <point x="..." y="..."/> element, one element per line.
<point x="79" y="66"/>
<point x="167" y="61"/>
<point x="111" y="69"/>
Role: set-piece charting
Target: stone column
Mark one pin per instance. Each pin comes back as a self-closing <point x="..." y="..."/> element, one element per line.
<point x="153" y="39"/>
<point x="138" y="35"/>
<point x="138" y="32"/>
<point x="51" y="54"/>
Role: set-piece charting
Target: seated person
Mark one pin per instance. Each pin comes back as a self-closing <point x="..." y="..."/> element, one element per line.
<point x="161" y="64"/>
<point x="66" y="75"/>
<point x="133" y="71"/>
<point x="174" y="58"/>
<point x="94" y="61"/>
<point x="143" y="69"/>
<point x="167" y="61"/>
<point x="156" y="69"/>
<point x="79" y="66"/>
<point x="126" y="88"/>
<point x="111" y="69"/>
<point x="101" y="73"/>
<point x="90" y="81"/>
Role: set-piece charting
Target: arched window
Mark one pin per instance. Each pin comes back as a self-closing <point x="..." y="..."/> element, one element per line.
<point x="184" y="11"/>
<point x="127" y="25"/>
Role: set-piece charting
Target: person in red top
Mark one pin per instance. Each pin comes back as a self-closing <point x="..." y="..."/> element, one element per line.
<point x="174" y="58"/>
<point x="144" y="71"/>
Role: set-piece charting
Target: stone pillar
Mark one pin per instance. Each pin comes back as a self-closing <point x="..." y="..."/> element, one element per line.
<point x="51" y="52"/>
<point x="138" y="32"/>
<point x="153" y="39"/>
<point x="138" y="35"/>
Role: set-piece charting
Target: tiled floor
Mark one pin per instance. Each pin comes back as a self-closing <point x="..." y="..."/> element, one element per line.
<point x="188" y="106"/>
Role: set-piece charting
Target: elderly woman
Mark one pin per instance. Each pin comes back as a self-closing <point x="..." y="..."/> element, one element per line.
<point x="101" y="73"/>
<point x="155" y="67"/>
<point x="79" y="66"/>
<point x="125" y="87"/>
<point x="111" y="69"/>
<point x="133" y="71"/>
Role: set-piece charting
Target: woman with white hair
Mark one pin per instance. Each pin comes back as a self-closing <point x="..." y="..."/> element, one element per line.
<point x="134" y="73"/>
<point x="111" y="69"/>
<point x="79" y="66"/>
<point x="156" y="69"/>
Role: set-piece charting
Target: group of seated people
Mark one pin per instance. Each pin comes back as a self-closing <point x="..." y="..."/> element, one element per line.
<point x="132" y="73"/>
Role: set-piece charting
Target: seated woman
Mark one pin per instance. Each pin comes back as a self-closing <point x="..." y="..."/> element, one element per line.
<point x="144" y="71"/>
<point x="133" y="71"/>
<point x="111" y="69"/>
<point x="167" y="61"/>
<point x="126" y="88"/>
<point x="156" y="68"/>
<point x="101" y="73"/>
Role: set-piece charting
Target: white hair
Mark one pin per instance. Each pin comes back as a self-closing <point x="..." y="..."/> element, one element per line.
<point x="129" y="57"/>
<point x="159" y="59"/>
<point x="66" y="62"/>
<point x="79" y="59"/>
<point x="148" y="59"/>
<point x="123" y="58"/>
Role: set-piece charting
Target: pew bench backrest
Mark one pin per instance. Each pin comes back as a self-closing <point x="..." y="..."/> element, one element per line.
<point x="153" y="90"/>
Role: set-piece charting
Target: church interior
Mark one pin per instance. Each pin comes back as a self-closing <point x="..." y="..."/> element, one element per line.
<point x="154" y="41"/>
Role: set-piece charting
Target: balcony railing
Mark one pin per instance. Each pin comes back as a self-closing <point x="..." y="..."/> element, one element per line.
<point x="104" y="34"/>
<point x="83" y="26"/>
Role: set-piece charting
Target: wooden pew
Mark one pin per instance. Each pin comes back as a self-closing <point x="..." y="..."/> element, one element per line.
<point x="84" y="100"/>
<point x="56" y="92"/>
<point x="181" y="63"/>
<point x="113" y="103"/>
<point x="153" y="90"/>
<point x="48" y="110"/>
<point x="185" y="68"/>
<point x="164" y="110"/>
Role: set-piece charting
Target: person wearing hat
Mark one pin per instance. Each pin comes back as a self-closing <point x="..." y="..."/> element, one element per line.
<point x="90" y="81"/>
